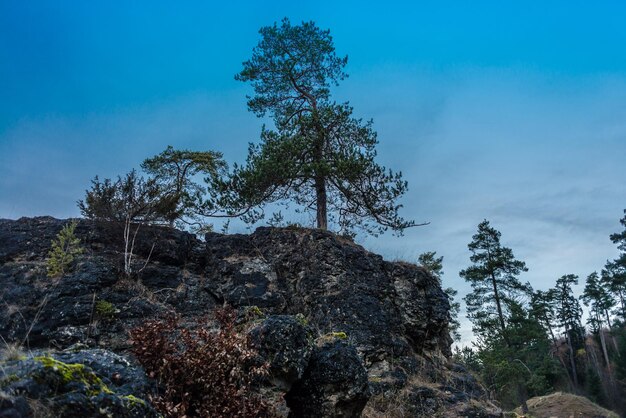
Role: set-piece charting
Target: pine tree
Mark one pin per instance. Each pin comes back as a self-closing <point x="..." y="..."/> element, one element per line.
<point x="494" y="280"/>
<point x="319" y="155"/>
<point x="434" y="265"/>
<point x="543" y="308"/>
<point x="65" y="248"/>
<point x="516" y="363"/>
<point x="175" y="172"/>
<point x="601" y="302"/>
<point x="600" y="299"/>
<point x="614" y="273"/>
<point x="569" y="315"/>
<point x="493" y="305"/>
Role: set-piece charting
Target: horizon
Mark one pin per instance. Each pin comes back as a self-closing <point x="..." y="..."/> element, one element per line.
<point x="512" y="114"/>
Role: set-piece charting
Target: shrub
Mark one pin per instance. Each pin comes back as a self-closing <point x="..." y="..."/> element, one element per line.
<point x="105" y="309"/>
<point x="201" y="373"/>
<point x="65" y="248"/>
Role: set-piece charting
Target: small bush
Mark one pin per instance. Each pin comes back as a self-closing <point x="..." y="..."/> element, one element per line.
<point x="201" y="373"/>
<point x="65" y="248"/>
<point x="105" y="309"/>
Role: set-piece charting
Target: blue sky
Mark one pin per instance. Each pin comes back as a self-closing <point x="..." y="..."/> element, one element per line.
<point x="514" y="112"/>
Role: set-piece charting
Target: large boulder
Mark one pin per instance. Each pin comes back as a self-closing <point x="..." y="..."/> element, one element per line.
<point x="285" y="343"/>
<point x="89" y="383"/>
<point x="334" y="384"/>
<point x="388" y="309"/>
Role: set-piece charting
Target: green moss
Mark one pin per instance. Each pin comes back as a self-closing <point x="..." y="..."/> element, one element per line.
<point x="253" y="311"/>
<point x="134" y="401"/>
<point x="75" y="373"/>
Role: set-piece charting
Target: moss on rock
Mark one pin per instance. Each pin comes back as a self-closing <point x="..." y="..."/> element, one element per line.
<point x="77" y="372"/>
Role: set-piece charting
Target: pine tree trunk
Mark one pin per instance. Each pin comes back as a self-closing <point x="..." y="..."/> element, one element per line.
<point x="499" y="306"/>
<point x="572" y="359"/>
<point x="320" y="177"/>
<point x="320" y="191"/>
<point x="604" y="351"/>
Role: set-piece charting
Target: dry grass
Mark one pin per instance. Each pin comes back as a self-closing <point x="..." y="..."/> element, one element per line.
<point x="397" y="404"/>
<point x="565" y="405"/>
<point x="11" y="308"/>
<point x="11" y="351"/>
<point x="40" y="409"/>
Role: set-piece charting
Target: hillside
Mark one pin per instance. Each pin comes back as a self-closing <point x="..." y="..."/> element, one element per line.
<point x="373" y="331"/>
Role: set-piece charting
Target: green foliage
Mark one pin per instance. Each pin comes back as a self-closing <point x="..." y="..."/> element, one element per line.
<point x="569" y="312"/>
<point x="105" y="309"/>
<point x="302" y="319"/>
<point x="468" y="357"/>
<point x="175" y="171"/>
<point x="512" y="344"/>
<point x="332" y="336"/>
<point x="128" y="199"/>
<point x="600" y="300"/>
<point x="65" y="248"/>
<point x="543" y="308"/>
<point x="319" y="155"/>
<point x="516" y="362"/>
<point x="614" y="272"/>
<point x="434" y="265"/>
<point x="493" y="278"/>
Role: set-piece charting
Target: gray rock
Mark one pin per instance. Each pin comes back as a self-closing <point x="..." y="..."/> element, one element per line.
<point x="334" y="384"/>
<point x="394" y="314"/>
<point x="90" y="383"/>
<point x="286" y="344"/>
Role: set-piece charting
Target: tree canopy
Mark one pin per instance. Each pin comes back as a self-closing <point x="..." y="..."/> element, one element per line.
<point x="176" y="173"/>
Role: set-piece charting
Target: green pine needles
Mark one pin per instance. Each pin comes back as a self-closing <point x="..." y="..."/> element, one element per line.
<point x="65" y="248"/>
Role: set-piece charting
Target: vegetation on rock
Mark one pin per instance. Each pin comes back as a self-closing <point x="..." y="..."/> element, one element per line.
<point x="65" y="248"/>
<point x="319" y="155"/>
<point x="201" y="373"/>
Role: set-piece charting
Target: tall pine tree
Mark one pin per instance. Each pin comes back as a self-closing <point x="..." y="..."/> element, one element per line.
<point x="569" y="315"/>
<point x="494" y="280"/>
<point x="319" y="155"/>
<point x="494" y="306"/>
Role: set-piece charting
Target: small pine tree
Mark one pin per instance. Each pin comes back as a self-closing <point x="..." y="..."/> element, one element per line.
<point x="434" y="265"/>
<point x="65" y="248"/>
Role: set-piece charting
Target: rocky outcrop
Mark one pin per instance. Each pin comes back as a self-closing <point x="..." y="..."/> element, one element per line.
<point x="326" y="301"/>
